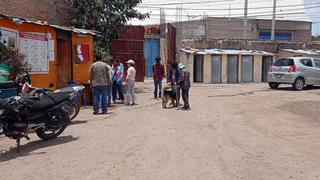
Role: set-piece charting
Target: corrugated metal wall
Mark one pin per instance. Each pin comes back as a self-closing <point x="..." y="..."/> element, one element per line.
<point x="130" y="46"/>
<point x="151" y="51"/>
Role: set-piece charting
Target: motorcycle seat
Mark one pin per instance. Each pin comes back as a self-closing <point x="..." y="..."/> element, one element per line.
<point x="49" y="100"/>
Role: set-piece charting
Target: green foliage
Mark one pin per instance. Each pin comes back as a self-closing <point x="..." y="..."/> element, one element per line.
<point x="13" y="59"/>
<point x="106" y="16"/>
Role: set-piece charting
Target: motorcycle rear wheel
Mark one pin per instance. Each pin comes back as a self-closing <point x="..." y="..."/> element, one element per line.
<point x="55" y="127"/>
<point x="46" y="134"/>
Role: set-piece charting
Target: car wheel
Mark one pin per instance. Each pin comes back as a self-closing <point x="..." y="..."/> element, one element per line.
<point x="274" y="85"/>
<point x="298" y="84"/>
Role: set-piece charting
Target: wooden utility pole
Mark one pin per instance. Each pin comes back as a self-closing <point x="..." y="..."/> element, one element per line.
<point x="273" y="20"/>
<point x="245" y="20"/>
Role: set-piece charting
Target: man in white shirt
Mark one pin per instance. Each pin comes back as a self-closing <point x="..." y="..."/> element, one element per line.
<point x="130" y="81"/>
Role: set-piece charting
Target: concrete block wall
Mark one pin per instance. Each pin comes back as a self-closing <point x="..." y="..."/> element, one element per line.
<point x="52" y="11"/>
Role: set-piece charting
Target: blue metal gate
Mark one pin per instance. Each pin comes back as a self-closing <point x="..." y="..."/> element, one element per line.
<point x="151" y="51"/>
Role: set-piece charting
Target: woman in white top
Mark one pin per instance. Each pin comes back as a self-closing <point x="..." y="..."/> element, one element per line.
<point x="130" y="80"/>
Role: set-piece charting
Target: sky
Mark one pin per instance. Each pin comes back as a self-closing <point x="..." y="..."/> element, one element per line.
<point x="257" y="9"/>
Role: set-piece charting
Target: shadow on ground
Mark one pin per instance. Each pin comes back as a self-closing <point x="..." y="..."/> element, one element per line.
<point x="27" y="149"/>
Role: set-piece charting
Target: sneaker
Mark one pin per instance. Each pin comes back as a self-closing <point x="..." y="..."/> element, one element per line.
<point x="104" y="113"/>
<point x="133" y="104"/>
<point x="95" y="113"/>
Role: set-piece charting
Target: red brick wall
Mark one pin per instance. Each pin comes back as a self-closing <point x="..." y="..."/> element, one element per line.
<point x="52" y="11"/>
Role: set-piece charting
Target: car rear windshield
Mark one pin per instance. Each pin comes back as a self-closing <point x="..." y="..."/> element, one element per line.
<point x="284" y="62"/>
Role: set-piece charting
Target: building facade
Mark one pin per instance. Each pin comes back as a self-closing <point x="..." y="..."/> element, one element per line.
<point x="232" y="28"/>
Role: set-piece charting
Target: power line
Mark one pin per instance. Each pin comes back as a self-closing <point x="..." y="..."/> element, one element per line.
<point x="263" y="13"/>
<point x="178" y="3"/>
<point x="225" y="9"/>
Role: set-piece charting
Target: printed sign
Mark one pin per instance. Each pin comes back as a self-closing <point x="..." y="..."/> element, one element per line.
<point x="35" y="48"/>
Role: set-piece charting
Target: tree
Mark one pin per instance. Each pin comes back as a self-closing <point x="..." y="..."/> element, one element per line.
<point x="106" y="16"/>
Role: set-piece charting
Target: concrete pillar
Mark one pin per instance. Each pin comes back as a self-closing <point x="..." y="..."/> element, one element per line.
<point x="239" y="67"/>
<point x="257" y="69"/>
<point x="190" y="65"/>
<point x="224" y="68"/>
<point x="163" y="51"/>
<point x="207" y="60"/>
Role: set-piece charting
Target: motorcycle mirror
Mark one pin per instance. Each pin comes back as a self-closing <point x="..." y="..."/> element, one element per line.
<point x="51" y="85"/>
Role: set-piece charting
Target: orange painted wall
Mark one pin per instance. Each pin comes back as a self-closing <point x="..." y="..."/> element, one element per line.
<point x="38" y="80"/>
<point x="81" y="71"/>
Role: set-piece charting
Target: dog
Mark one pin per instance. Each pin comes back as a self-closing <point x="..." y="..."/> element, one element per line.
<point x="168" y="93"/>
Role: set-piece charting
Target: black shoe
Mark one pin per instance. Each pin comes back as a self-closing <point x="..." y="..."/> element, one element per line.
<point x="95" y="113"/>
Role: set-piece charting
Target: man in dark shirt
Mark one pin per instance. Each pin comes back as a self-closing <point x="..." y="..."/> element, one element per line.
<point x="158" y="74"/>
<point x="184" y="84"/>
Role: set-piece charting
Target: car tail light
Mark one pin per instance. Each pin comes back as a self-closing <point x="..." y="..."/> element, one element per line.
<point x="292" y="68"/>
<point x="270" y="69"/>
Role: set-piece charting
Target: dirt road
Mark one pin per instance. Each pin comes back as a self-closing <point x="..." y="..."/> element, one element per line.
<point x="232" y="132"/>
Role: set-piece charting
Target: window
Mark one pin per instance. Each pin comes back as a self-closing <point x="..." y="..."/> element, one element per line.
<point x="317" y="63"/>
<point x="306" y="62"/>
<point x="284" y="62"/>
<point x="282" y="36"/>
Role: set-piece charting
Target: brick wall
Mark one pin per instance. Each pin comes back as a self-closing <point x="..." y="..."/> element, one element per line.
<point x="52" y="11"/>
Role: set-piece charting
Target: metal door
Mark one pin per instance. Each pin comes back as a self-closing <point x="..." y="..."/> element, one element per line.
<point x="151" y="51"/>
<point x="232" y="69"/>
<point x="216" y="69"/>
<point x="246" y="69"/>
<point x="198" y="68"/>
<point x="266" y="63"/>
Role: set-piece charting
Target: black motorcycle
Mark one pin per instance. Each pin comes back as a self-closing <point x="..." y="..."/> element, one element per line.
<point x="44" y="115"/>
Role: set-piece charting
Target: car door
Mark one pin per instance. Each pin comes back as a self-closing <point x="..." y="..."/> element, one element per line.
<point x="317" y="67"/>
<point x="308" y="70"/>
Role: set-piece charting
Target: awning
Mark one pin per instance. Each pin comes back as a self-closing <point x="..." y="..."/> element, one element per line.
<point x="226" y="51"/>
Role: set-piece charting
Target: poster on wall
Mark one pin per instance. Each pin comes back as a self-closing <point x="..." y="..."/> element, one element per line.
<point x="35" y="48"/>
<point x="82" y="51"/>
<point x="8" y="37"/>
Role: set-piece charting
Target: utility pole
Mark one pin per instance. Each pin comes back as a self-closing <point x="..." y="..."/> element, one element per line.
<point x="273" y="20"/>
<point x="245" y="20"/>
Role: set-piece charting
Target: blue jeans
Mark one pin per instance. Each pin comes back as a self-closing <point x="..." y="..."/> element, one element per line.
<point x="130" y="92"/>
<point x="117" y="87"/>
<point x="157" y="86"/>
<point x="109" y="93"/>
<point x="100" y="91"/>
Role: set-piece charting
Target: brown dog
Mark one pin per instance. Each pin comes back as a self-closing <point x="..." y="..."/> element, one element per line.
<point x="168" y="94"/>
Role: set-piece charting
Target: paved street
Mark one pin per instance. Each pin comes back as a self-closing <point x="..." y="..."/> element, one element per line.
<point x="232" y="132"/>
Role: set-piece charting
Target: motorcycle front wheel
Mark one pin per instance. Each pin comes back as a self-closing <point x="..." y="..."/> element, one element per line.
<point x="73" y="109"/>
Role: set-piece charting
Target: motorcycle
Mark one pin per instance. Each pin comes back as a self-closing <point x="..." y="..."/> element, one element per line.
<point x="45" y="115"/>
<point x="72" y="105"/>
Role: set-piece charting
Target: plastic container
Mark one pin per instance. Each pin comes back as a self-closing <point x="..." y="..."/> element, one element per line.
<point x="4" y="72"/>
<point x="5" y="93"/>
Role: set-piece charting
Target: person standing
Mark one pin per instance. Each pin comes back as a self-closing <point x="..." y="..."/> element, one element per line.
<point x="158" y="74"/>
<point x="109" y="87"/>
<point x="130" y="81"/>
<point x="99" y="80"/>
<point x="184" y="84"/>
<point x="117" y="80"/>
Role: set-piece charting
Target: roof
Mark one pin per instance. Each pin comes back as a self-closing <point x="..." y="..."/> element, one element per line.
<point x="226" y="51"/>
<point x="301" y="51"/>
<point x="44" y="23"/>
